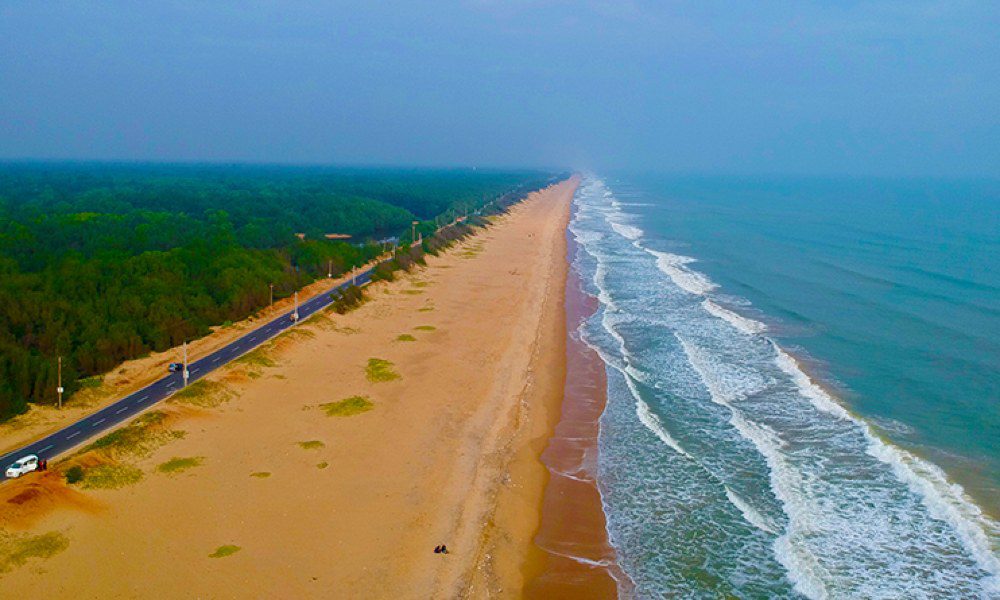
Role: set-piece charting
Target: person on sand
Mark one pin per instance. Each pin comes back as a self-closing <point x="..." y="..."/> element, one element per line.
<point x="444" y="549"/>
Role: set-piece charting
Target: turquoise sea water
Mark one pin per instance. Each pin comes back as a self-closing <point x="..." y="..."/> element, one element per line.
<point x="804" y="384"/>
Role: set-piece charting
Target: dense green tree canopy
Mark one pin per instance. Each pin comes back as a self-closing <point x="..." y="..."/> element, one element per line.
<point x="101" y="263"/>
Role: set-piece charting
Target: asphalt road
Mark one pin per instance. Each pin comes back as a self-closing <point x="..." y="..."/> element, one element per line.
<point x="87" y="428"/>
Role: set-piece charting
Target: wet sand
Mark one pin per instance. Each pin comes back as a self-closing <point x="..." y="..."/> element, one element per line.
<point x="574" y="558"/>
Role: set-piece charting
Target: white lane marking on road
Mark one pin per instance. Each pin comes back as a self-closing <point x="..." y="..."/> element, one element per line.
<point x="143" y="398"/>
<point x="171" y="384"/>
<point x="121" y="410"/>
<point x="72" y="435"/>
<point x="216" y="359"/>
<point x="96" y="423"/>
<point x="194" y="370"/>
<point x="47" y="448"/>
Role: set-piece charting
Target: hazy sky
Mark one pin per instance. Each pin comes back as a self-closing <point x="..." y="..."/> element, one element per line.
<point x="886" y="87"/>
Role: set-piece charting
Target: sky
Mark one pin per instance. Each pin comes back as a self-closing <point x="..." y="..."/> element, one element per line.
<point x="851" y="87"/>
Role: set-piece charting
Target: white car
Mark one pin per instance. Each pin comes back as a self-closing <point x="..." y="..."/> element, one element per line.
<point x="25" y="464"/>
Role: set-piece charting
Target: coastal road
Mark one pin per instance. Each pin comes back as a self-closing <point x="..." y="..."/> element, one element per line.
<point x="85" y="429"/>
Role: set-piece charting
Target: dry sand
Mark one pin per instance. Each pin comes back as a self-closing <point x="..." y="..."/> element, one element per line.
<point x="448" y="452"/>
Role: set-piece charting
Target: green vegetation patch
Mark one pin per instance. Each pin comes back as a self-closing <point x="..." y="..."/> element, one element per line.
<point x="92" y="382"/>
<point x="354" y="405"/>
<point x="224" y="551"/>
<point x="295" y="333"/>
<point x="260" y="474"/>
<point x="256" y="358"/>
<point x="204" y="394"/>
<point x="312" y="445"/>
<point x="74" y="474"/>
<point x="111" y="477"/>
<point x="178" y="465"/>
<point x="405" y="337"/>
<point x="347" y="299"/>
<point x="425" y="328"/>
<point x="380" y="370"/>
<point x="139" y="438"/>
<point x="15" y="550"/>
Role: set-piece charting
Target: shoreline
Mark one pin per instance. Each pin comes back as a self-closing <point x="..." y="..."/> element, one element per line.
<point x="573" y="555"/>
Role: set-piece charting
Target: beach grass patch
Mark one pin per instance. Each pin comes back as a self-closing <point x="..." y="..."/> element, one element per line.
<point x="354" y="405"/>
<point x="312" y="445"/>
<point x="111" y="477"/>
<point x="413" y="292"/>
<point x="260" y="474"/>
<point x="15" y="550"/>
<point x="224" y="551"/>
<point x="204" y="394"/>
<point x="322" y="465"/>
<point x="139" y="438"/>
<point x="256" y="358"/>
<point x="296" y="333"/>
<point x="425" y="328"/>
<point x="425" y="309"/>
<point x="420" y="284"/>
<point x="380" y="370"/>
<point x="178" y="464"/>
<point x="405" y="337"/>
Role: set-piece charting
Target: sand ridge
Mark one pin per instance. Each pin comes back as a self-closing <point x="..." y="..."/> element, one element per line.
<point x="287" y="501"/>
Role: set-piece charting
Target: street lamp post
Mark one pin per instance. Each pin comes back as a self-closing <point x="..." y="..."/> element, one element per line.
<point x="59" y="386"/>
<point x="185" y="374"/>
<point x="271" y="303"/>
<point x="295" y="314"/>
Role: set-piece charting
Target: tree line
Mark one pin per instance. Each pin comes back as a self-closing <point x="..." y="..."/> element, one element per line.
<point x="104" y="263"/>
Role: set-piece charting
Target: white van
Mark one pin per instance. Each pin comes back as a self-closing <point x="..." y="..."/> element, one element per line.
<point x="25" y="464"/>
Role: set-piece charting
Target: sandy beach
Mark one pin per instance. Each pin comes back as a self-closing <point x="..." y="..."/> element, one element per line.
<point x="268" y="485"/>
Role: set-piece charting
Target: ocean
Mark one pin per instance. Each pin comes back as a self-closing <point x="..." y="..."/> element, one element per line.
<point x="803" y="384"/>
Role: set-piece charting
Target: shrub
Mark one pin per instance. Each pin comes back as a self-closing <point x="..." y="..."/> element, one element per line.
<point x="347" y="299"/>
<point x="74" y="474"/>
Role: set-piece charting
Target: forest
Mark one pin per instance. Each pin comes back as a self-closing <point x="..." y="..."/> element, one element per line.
<point x="100" y="263"/>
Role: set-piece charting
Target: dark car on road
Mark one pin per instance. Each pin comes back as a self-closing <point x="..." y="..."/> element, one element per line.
<point x="175" y="367"/>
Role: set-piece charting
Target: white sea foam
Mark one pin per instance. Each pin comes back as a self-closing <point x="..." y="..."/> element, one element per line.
<point x="626" y="231"/>
<point x="803" y="568"/>
<point x="752" y="515"/>
<point x="817" y="395"/>
<point x="945" y="501"/>
<point x="653" y="423"/>
<point x="744" y="324"/>
<point x="674" y="266"/>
